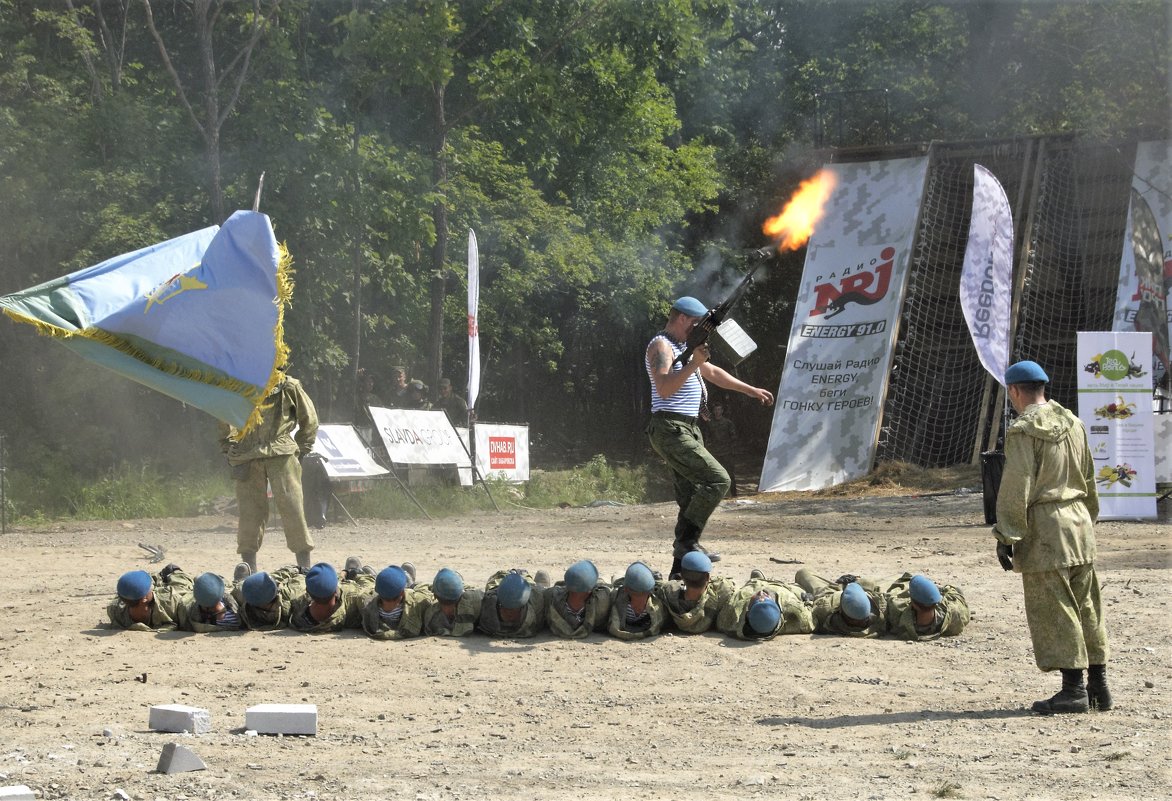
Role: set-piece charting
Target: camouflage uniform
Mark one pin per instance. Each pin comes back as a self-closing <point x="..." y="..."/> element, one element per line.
<point x="268" y="455"/>
<point x="414" y="604"/>
<point x="347" y="614"/>
<point x="795" y="613"/>
<point x="171" y="594"/>
<point x="290" y="585"/>
<point x="191" y="618"/>
<point x="437" y="624"/>
<point x="1047" y="505"/>
<point x="533" y="613"/>
<point x="952" y="612"/>
<point x="565" y="624"/>
<point x="656" y="609"/>
<point x="696" y="617"/>
<point x="828" y="617"/>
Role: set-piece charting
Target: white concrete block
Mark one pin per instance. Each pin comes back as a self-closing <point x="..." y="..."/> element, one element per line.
<point x="179" y="759"/>
<point x="282" y="718"/>
<point x="179" y="718"/>
<point x="17" y="792"/>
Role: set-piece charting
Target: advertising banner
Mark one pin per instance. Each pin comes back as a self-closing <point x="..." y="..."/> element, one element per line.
<point x="418" y="437"/>
<point x="1145" y="272"/>
<point x="1115" y="404"/>
<point x="344" y="453"/>
<point x="826" y="418"/>
<point x="502" y="452"/>
<point x="986" y="277"/>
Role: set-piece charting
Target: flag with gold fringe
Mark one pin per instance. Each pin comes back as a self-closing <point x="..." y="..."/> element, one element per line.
<point x="199" y="317"/>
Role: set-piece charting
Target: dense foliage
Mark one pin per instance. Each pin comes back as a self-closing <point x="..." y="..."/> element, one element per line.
<point x="609" y="154"/>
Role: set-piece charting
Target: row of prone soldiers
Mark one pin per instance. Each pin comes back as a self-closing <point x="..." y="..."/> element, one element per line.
<point x="390" y="605"/>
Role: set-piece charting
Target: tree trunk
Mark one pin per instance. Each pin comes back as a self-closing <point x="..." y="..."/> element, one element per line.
<point x="439" y="254"/>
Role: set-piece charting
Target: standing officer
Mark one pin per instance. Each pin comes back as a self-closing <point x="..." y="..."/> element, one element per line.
<point x="1046" y="510"/>
<point x="268" y="456"/>
<point x="677" y="392"/>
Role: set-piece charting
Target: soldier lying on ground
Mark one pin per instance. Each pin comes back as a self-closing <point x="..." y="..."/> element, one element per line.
<point x="395" y="611"/>
<point x="848" y="606"/>
<point x="763" y="608"/>
<point x="452" y="609"/>
<point x="150" y="603"/>
<point x="695" y="600"/>
<point x="210" y="608"/>
<point x="578" y="605"/>
<point x="513" y="606"/>
<point x="330" y="605"/>
<point x="636" y="612"/>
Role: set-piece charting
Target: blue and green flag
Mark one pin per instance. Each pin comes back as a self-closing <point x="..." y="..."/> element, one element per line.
<point x="198" y="317"/>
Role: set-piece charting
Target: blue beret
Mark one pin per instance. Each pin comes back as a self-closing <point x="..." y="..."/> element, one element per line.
<point x="581" y="576"/>
<point x="924" y="591"/>
<point x="259" y="589"/>
<point x="513" y="592"/>
<point x="321" y="581"/>
<point x="135" y="585"/>
<point x="697" y="561"/>
<point x="1025" y="372"/>
<point x="855" y="603"/>
<point x="447" y="585"/>
<point x="391" y="582"/>
<point x="639" y="578"/>
<point x="690" y="306"/>
<point x="764" y="615"/>
<point x="208" y="589"/>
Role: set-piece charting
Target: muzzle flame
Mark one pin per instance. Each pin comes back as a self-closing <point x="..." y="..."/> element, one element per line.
<point x="793" y="227"/>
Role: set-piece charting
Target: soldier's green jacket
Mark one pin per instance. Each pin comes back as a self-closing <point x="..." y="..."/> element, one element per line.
<point x="290" y="585"/>
<point x="190" y="618"/>
<point x="532" y="618"/>
<point x="437" y="624"/>
<point x="287" y="408"/>
<point x="347" y="614"/>
<point x="410" y="624"/>
<point x="828" y="617"/>
<point x="617" y="621"/>
<point x="795" y="613"/>
<point x="563" y="623"/>
<point x="700" y="616"/>
<point x="1047" y="503"/>
<point x="170" y="597"/>
<point x="952" y="612"/>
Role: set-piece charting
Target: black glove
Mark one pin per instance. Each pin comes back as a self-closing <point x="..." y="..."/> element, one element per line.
<point x="846" y="578"/>
<point x="1004" y="555"/>
<point x="165" y="573"/>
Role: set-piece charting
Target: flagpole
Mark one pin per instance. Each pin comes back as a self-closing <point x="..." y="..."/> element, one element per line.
<point x="260" y="185"/>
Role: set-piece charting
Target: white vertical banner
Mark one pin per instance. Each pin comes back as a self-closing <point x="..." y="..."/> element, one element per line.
<point x="1145" y="271"/>
<point x="473" y="325"/>
<point x="1115" y="405"/>
<point x="987" y="275"/>
<point x="826" y="419"/>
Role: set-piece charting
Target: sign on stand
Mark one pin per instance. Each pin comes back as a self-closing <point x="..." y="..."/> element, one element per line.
<point x="502" y="452"/>
<point x="344" y="453"/>
<point x="415" y="437"/>
<point x="1115" y="404"/>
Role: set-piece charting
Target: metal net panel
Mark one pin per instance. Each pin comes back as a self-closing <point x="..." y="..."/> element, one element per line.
<point x="938" y="390"/>
<point x="1069" y="201"/>
<point x="1072" y="266"/>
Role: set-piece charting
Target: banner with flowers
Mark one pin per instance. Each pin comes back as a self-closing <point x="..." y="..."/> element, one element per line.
<point x="1115" y="404"/>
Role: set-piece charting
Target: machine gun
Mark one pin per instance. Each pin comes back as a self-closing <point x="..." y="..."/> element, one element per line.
<point x="715" y="316"/>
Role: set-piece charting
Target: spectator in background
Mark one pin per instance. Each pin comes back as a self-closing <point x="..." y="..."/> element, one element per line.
<point x="454" y="406"/>
<point x="398" y="399"/>
<point x="417" y="396"/>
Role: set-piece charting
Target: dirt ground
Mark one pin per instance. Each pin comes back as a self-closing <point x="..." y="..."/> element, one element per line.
<point x="798" y="717"/>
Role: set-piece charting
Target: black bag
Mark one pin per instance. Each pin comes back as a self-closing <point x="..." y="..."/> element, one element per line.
<point x="992" y="466"/>
<point x="315" y="490"/>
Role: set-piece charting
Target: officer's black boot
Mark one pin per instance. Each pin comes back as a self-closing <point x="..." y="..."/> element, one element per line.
<point x="1098" y="695"/>
<point x="674" y="573"/>
<point x="1071" y="698"/>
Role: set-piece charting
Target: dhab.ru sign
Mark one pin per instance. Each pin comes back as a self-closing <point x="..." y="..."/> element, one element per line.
<point x="502" y="453"/>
